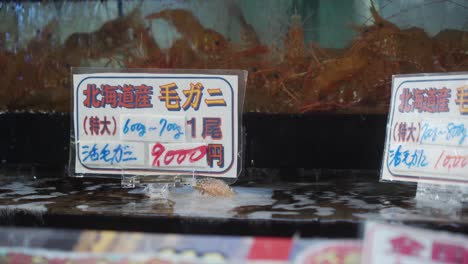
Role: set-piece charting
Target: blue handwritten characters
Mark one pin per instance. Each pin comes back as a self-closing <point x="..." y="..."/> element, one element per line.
<point x="115" y="155"/>
<point x="407" y="158"/>
<point x="90" y="153"/>
<point x="430" y="133"/>
<point x="160" y="128"/>
<point x="449" y="133"/>
<point x="165" y="126"/>
<point x="456" y="131"/>
<point x="140" y="128"/>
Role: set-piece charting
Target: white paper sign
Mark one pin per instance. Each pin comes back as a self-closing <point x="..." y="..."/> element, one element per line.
<point x="427" y="131"/>
<point x="153" y="124"/>
<point x="391" y="244"/>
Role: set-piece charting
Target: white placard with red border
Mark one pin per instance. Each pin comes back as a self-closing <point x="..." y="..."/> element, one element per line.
<point x="427" y="130"/>
<point x="156" y="124"/>
<point x="384" y="243"/>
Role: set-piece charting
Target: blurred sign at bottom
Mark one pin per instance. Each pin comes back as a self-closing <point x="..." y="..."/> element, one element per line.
<point x="329" y="251"/>
<point x="393" y="244"/>
<point x="382" y="244"/>
<point x="30" y="245"/>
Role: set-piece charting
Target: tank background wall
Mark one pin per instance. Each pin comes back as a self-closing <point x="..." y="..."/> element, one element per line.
<point x="328" y="22"/>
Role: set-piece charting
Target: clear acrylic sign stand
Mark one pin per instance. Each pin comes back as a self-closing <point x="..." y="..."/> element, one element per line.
<point x="445" y="195"/>
<point x="441" y="200"/>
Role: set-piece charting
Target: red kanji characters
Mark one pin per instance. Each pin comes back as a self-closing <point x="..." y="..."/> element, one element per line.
<point x="105" y="126"/>
<point x="419" y="100"/>
<point x="94" y="125"/>
<point x="406" y="133"/>
<point x="411" y="130"/>
<point x="405" y="98"/>
<point x="212" y="128"/>
<point x="127" y="96"/>
<point x="109" y="95"/>
<point x="98" y="127"/>
<point x="429" y="100"/>
<point x="215" y="102"/>
<point x="443" y="96"/>
<point x="127" y="99"/>
<point x="402" y="132"/>
<point x="170" y="97"/>
<point x="143" y="96"/>
<point x="91" y="94"/>
<point x="215" y="152"/>
<point x="406" y="246"/>
<point x="447" y="253"/>
<point x="194" y="95"/>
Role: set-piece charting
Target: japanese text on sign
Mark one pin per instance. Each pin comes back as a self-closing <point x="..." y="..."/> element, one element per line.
<point x="427" y="136"/>
<point x="384" y="243"/>
<point x="152" y="124"/>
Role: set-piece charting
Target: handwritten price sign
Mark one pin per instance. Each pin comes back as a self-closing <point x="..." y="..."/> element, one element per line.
<point x="154" y="123"/>
<point x="427" y="133"/>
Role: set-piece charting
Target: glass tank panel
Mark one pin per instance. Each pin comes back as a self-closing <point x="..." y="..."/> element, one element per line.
<point x="302" y="56"/>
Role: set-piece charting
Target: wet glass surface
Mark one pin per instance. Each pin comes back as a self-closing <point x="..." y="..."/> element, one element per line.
<point x="353" y="198"/>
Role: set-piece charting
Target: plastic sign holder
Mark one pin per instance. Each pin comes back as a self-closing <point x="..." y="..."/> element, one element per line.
<point x="427" y="135"/>
<point x="160" y="127"/>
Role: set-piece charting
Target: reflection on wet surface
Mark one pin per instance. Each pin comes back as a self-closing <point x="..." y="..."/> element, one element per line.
<point x="349" y="198"/>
